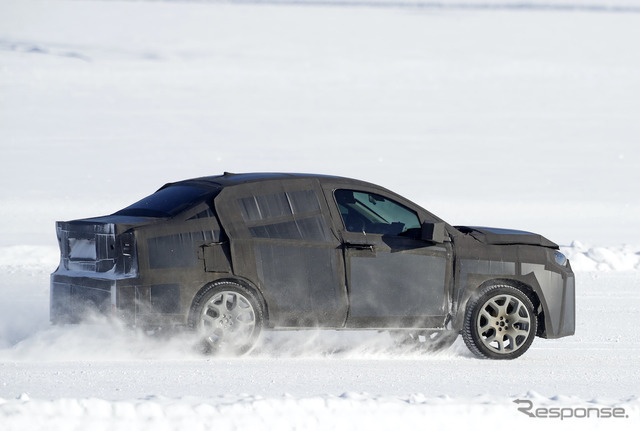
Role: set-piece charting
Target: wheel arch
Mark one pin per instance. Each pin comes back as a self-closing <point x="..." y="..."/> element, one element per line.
<point x="239" y="281"/>
<point x="530" y="291"/>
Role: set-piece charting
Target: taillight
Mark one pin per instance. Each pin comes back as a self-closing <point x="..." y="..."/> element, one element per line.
<point x="128" y="260"/>
<point x="127" y="248"/>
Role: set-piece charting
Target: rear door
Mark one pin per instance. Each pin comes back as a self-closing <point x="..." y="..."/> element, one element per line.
<point x="394" y="278"/>
<point x="282" y="240"/>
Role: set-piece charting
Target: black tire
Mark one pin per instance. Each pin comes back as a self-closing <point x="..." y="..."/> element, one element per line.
<point x="228" y="318"/>
<point x="500" y="323"/>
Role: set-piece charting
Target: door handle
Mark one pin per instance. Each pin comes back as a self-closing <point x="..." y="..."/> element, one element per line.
<point x="369" y="247"/>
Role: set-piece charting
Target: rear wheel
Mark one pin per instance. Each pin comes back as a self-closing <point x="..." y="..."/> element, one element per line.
<point x="228" y="318"/>
<point x="500" y="323"/>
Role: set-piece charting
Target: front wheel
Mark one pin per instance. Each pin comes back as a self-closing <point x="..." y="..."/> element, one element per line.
<point x="228" y="318"/>
<point x="500" y="323"/>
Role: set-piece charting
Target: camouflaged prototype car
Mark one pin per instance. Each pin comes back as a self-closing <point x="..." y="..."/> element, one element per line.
<point x="234" y="254"/>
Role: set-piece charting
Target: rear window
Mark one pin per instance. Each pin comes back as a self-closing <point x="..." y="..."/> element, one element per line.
<point x="167" y="202"/>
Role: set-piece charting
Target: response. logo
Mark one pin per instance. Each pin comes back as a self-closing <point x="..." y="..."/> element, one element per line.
<point x="563" y="413"/>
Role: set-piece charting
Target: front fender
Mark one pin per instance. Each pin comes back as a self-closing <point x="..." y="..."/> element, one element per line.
<point x="553" y="285"/>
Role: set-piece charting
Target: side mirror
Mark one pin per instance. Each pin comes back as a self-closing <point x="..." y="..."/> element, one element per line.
<point x="434" y="232"/>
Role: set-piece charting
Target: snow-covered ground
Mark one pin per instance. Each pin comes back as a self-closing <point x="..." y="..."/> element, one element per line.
<point x="487" y="112"/>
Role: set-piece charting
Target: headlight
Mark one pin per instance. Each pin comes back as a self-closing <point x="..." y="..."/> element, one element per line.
<point x="561" y="259"/>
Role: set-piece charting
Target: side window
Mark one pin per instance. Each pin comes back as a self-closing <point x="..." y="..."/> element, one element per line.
<point x="293" y="215"/>
<point x="372" y="213"/>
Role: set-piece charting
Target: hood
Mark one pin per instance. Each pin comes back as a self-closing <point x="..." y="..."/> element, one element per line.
<point x="496" y="236"/>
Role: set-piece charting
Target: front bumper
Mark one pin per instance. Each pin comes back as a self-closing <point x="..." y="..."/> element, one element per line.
<point x="555" y="287"/>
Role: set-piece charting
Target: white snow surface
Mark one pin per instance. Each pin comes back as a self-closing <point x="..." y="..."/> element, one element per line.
<point x="507" y="113"/>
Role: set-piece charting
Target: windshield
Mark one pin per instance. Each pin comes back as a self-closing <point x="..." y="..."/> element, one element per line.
<point x="166" y="202"/>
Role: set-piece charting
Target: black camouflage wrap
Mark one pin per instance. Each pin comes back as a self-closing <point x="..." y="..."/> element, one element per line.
<point x="283" y="236"/>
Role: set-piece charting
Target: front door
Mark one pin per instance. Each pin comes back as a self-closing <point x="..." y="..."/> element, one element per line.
<point x="394" y="278"/>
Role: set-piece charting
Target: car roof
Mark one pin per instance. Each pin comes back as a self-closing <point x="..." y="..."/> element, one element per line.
<point x="228" y="180"/>
<point x="231" y="179"/>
